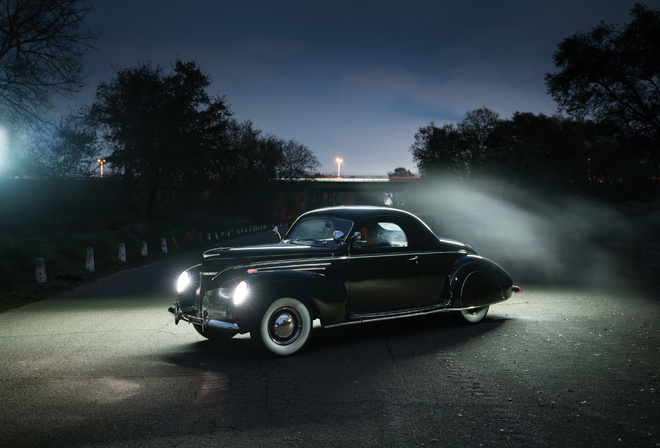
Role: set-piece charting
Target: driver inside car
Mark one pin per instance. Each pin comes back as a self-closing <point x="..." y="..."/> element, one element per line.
<point x="370" y="236"/>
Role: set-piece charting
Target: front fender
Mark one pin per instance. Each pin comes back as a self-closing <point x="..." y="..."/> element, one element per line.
<point x="325" y="298"/>
<point x="477" y="282"/>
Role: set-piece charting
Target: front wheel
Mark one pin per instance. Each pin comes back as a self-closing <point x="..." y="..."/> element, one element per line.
<point x="473" y="315"/>
<point x="285" y="327"/>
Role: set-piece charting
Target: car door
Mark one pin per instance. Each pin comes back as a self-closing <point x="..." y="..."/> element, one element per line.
<point x="383" y="269"/>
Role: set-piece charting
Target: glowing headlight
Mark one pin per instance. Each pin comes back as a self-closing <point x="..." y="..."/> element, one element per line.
<point x="241" y="293"/>
<point x="183" y="282"/>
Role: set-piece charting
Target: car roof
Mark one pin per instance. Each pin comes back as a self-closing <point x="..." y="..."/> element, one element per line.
<point x="358" y="213"/>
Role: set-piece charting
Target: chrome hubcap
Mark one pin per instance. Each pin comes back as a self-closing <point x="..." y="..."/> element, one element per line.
<point x="285" y="326"/>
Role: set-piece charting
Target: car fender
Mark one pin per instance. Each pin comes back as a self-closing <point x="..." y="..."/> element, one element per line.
<point x="477" y="281"/>
<point x="324" y="297"/>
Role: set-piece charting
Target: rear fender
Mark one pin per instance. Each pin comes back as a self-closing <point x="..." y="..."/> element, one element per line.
<point x="477" y="282"/>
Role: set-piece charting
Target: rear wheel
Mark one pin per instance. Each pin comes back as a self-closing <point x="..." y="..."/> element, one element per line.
<point x="472" y="315"/>
<point x="285" y="327"/>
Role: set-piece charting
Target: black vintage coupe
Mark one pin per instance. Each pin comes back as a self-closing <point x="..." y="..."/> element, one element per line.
<point x="341" y="265"/>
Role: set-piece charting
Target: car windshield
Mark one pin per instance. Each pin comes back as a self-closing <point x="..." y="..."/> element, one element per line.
<point x="318" y="229"/>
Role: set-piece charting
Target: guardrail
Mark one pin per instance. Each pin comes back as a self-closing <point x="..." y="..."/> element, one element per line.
<point x="192" y="237"/>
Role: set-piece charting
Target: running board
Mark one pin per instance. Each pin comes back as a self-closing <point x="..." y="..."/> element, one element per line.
<point x="364" y="318"/>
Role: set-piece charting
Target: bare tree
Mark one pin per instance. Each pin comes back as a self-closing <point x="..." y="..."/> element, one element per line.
<point x="42" y="45"/>
<point x="438" y="150"/>
<point x="476" y="129"/>
<point x="296" y="160"/>
<point x="71" y="151"/>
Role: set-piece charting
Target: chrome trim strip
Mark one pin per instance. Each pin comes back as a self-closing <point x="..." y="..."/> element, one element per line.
<point x="383" y="255"/>
<point x="180" y="315"/>
<point x="302" y="260"/>
<point x="281" y="264"/>
<point x="380" y="319"/>
<point x="296" y="267"/>
<point x="476" y="306"/>
<point x="410" y="252"/>
<point x="362" y="320"/>
<point x="222" y="325"/>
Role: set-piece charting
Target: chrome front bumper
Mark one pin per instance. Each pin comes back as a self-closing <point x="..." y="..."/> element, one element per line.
<point x="204" y="321"/>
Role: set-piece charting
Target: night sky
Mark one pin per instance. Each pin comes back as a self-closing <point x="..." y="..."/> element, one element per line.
<point x="352" y="79"/>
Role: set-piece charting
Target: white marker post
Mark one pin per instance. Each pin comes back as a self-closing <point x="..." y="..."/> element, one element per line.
<point x="89" y="265"/>
<point x="40" y="273"/>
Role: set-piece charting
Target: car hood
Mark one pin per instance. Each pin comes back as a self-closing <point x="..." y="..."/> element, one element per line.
<point x="280" y="251"/>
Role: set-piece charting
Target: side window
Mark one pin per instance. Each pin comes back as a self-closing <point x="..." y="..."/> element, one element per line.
<point x="380" y="235"/>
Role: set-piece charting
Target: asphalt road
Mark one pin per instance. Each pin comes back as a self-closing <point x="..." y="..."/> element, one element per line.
<point x="105" y="366"/>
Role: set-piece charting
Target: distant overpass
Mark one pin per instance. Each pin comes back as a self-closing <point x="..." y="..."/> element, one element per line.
<point x="325" y="191"/>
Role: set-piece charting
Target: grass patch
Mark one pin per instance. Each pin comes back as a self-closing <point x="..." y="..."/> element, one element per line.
<point x="65" y="256"/>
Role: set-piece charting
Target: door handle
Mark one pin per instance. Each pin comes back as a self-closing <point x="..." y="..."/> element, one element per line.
<point x="415" y="259"/>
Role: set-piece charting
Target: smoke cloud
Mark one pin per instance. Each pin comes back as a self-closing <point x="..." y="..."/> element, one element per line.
<point x="537" y="237"/>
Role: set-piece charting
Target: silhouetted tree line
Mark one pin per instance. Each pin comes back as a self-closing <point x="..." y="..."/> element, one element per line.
<point x="166" y="140"/>
<point x="609" y="85"/>
<point x="162" y="137"/>
<point x="163" y="130"/>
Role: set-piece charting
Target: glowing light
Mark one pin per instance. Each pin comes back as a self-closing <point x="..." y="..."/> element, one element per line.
<point x="183" y="282"/>
<point x="339" y="160"/>
<point x="4" y="147"/>
<point x="101" y="162"/>
<point x="241" y="293"/>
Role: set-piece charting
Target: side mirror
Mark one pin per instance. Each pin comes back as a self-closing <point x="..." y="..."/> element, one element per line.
<point x="338" y="236"/>
<point x="277" y="232"/>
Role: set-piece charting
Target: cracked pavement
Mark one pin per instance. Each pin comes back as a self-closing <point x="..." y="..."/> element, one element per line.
<point x="105" y="366"/>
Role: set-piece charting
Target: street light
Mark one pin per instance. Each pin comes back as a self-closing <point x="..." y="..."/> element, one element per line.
<point x="339" y="161"/>
<point x="102" y="162"/>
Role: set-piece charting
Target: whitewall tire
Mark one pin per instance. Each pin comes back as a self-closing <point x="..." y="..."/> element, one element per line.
<point x="285" y="327"/>
<point x="473" y="315"/>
